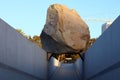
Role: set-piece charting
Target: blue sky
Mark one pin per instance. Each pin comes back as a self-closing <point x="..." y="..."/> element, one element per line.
<point x="30" y="15"/>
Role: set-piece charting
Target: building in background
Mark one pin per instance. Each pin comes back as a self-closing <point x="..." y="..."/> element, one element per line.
<point x="106" y="25"/>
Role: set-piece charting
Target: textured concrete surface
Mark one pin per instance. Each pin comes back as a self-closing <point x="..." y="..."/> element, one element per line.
<point x="102" y="60"/>
<point x="79" y="68"/>
<point x="66" y="72"/>
<point x="54" y="64"/>
<point x="19" y="53"/>
<point x="9" y="73"/>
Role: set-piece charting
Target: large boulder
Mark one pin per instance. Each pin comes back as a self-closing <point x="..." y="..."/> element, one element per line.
<point x="64" y="31"/>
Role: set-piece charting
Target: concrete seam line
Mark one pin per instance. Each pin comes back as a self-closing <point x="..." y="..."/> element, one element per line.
<point x="77" y="73"/>
<point x="56" y="70"/>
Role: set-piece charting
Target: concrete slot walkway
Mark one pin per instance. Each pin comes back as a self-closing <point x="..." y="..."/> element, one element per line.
<point x="66" y="72"/>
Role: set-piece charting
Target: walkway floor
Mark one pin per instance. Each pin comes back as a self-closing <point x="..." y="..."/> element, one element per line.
<point x="66" y="72"/>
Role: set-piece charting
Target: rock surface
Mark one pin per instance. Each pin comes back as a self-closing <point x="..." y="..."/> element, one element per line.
<point x="64" y="31"/>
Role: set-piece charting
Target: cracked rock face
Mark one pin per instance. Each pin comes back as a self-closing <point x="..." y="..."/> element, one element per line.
<point x="64" y="31"/>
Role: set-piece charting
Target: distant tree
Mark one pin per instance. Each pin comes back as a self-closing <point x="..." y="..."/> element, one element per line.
<point x="35" y="39"/>
<point x="22" y="33"/>
<point x="91" y="41"/>
<point x="75" y="56"/>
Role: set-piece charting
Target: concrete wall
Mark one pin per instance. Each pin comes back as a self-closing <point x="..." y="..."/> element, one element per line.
<point x="102" y="60"/>
<point x="9" y="73"/>
<point x="19" y="53"/>
<point x="79" y="68"/>
<point x="54" y="65"/>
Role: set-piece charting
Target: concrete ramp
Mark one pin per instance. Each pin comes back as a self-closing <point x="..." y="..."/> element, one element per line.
<point x="102" y="60"/>
<point x="66" y="72"/>
<point x="20" y="55"/>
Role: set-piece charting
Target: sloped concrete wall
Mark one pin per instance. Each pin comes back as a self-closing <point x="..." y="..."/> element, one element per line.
<point x="54" y="65"/>
<point x="9" y="73"/>
<point x="19" y="53"/>
<point x="79" y="68"/>
<point x="102" y="60"/>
